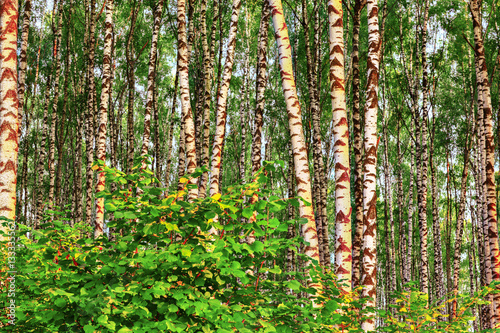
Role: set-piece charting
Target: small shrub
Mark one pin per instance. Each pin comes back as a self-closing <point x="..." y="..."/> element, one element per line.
<point x="166" y="273"/>
<point x="412" y="313"/>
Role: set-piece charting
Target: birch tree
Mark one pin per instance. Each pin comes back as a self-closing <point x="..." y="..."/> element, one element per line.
<point x="103" y="119"/>
<point x="9" y="122"/>
<point x="369" y="275"/>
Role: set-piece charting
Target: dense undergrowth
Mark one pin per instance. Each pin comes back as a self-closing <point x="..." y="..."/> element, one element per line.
<point x="166" y="273"/>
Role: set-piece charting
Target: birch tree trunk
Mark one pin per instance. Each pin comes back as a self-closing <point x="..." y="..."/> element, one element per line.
<point x="302" y="174"/>
<point x="369" y="275"/>
<point x="187" y="116"/>
<point x="21" y="111"/>
<point x="483" y="247"/>
<point x="129" y="56"/>
<point x="438" y="257"/>
<point x="103" y="119"/>
<point x="448" y="227"/>
<point x="220" y="129"/>
<point x="422" y="192"/>
<point x="170" y="134"/>
<point x="357" y="146"/>
<point x="40" y="170"/>
<point x="472" y="272"/>
<point x="244" y="102"/>
<point x="54" y="117"/>
<point x="315" y="114"/>
<point x="403" y="240"/>
<point x="208" y="58"/>
<point x="61" y="135"/>
<point x="77" y="181"/>
<point x="489" y="181"/>
<point x="156" y="139"/>
<point x="181" y="165"/>
<point x="290" y="254"/>
<point x="260" y="89"/>
<point x="23" y="61"/>
<point x="459" y="229"/>
<point x="9" y="122"/>
<point x="343" y="210"/>
<point x="151" y="79"/>
<point x="391" y="265"/>
<point x="89" y="133"/>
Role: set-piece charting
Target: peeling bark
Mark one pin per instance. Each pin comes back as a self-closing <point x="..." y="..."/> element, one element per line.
<point x="302" y="174"/>
<point x="9" y="136"/>
<point x="343" y="210"/>
<point x="103" y="116"/>
<point x="369" y="275"/>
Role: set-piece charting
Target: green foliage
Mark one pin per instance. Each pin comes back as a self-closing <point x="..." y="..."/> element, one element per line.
<point x="412" y="313"/>
<point x="166" y="273"/>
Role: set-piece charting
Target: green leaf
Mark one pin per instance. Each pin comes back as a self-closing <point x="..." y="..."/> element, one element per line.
<point x="258" y="246"/>
<point x="159" y="291"/>
<point x="110" y="207"/>
<point x="121" y="246"/>
<point x="154" y="212"/>
<point x="247" y="213"/>
<point x="148" y="229"/>
<point x="261" y="205"/>
<point x="186" y="252"/>
<point x="173" y="308"/>
<point x="210" y="215"/>
<point x="222" y="330"/>
<point x="274" y="222"/>
<point x="60" y="302"/>
<point x="331" y="305"/>
<point x="275" y="270"/>
<point x="130" y="215"/>
<point x="88" y="329"/>
<point x="111" y="325"/>
<point x="294" y="285"/>
<point x="235" y="265"/>
<point x="103" y="319"/>
<point x="119" y="214"/>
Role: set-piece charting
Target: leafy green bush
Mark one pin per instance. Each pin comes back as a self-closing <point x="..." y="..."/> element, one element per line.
<point x="412" y="313"/>
<point x="166" y="273"/>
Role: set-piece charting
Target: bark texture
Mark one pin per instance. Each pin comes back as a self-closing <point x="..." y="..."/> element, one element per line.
<point x="369" y="275"/>
<point x="89" y="130"/>
<point x="9" y="122"/>
<point x="103" y="116"/>
<point x="170" y="134"/>
<point x="459" y="230"/>
<point x="187" y="116"/>
<point x="208" y="65"/>
<point x="153" y="54"/>
<point x="260" y="89"/>
<point x="302" y="175"/>
<point x="438" y="256"/>
<point x="343" y="241"/>
<point x="357" y="146"/>
<point x="54" y="116"/>
<point x="489" y="180"/>
<point x="23" y="60"/>
<point x="220" y="130"/>
<point x="129" y="56"/>
<point x="424" y="160"/>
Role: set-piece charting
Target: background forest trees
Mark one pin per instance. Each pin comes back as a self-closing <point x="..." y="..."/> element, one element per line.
<point x="226" y="85"/>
